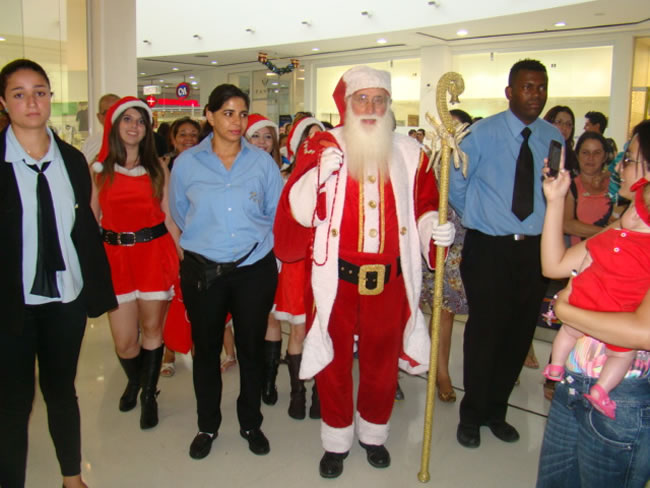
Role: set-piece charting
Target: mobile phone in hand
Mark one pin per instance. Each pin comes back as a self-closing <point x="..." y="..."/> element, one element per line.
<point x="554" y="154"/>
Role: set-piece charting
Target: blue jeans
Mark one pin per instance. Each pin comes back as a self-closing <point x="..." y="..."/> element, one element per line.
<point x="583" y="448"/>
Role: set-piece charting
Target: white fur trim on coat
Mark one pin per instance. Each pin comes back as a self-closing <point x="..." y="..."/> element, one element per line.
<point x="303" y="198"/>
<point x="318" y="350"/>
<point x="369" y="433"/>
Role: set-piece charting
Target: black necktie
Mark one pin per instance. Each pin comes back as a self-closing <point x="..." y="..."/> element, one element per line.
<point x="522" y="194"/>
<point x="49" y="258"/>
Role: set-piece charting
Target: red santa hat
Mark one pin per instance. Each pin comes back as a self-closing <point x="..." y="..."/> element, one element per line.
<point x="359" y="78"/>
<point x="296" y="133"/>
<point x="111" y="116"/>
<point x="257" y="122"/>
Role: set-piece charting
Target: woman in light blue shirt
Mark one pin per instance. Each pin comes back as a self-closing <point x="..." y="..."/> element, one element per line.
<point x="223" y="196"/>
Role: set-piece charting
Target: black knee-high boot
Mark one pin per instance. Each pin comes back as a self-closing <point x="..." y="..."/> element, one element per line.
<point x="129" y="398"/>
<point x="150" y="370"/>
<point x="298" y="400"/>
<point x="271" y="362"/>
<point x="314" y="409"/>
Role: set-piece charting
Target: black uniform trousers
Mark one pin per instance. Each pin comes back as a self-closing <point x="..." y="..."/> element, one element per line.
<point x="247" y="293"/>
<point x="505" y="288"/>
<point x="52" y="333"/>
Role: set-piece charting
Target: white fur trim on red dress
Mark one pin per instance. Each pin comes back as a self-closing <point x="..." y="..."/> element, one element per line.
<point x="145" y="295"/>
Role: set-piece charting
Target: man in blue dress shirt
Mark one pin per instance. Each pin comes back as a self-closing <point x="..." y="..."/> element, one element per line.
<point x="501" y="267"/>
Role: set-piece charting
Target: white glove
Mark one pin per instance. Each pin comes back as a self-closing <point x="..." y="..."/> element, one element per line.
<point x="443" y="235"/>
<point x="330" y="162"/>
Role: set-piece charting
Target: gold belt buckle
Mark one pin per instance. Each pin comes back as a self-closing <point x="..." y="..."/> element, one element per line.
<point x="364" y="269"/>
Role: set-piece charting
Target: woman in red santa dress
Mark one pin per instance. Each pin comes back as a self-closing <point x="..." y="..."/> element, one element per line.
<point x="289" y="298"/>
<point x="140" y="239"/>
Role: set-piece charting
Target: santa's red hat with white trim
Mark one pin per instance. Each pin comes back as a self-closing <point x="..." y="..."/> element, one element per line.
<point x="296" y="132"/>
<point x="257" y="122"/>
<point x="111" y="116"/>
<point x="359" y="78"/>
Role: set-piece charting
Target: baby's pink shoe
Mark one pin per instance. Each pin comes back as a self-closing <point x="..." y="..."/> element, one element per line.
<point x="603" y="403"/>
<point x="553" y="372"/>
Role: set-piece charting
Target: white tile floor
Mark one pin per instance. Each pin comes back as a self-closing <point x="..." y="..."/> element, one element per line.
<point x="117" y="453"/>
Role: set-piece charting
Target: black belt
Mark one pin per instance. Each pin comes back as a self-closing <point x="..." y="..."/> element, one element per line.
<point x="203" y="271"/>
<point x="131" y="238"/>
<point x="507" y="237"/>
<point x="370" y="278"/>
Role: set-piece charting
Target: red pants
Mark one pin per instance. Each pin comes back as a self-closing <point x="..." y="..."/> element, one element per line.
<point x="379" y="322"/>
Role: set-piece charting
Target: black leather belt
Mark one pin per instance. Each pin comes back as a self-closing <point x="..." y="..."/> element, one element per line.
<point x="507" y="237"/>
<point x="203" y="271"/>
<point x="131" y="238"/>
<point x="370" y="278"/>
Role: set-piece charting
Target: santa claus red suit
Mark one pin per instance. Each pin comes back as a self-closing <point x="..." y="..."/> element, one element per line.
<point x="362" y="226"/>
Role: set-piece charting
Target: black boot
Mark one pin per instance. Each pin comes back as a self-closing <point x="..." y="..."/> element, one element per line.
<point x="298" y="400"/>
<point x="314" y="409"/>
<point x="271" y="362"/>
<point x="151" y="361"/>
<point x="129" y="398"/>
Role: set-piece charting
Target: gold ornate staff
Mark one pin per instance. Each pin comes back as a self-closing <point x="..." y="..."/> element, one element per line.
<point x="446" y="133"/>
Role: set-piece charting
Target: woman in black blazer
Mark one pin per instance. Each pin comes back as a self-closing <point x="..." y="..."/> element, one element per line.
<point x="54" y="273"/>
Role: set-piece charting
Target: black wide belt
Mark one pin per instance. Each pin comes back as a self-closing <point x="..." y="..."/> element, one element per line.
<point x="203" y="272"/>
<point x="370" y="278"/>
<point x="131" y="238"/>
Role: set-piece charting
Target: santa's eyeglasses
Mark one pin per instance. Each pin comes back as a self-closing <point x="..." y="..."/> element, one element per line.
<point x="365" y="100"/>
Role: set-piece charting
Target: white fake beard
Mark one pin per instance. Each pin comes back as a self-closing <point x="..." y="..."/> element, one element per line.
<point x="367" y="147"/>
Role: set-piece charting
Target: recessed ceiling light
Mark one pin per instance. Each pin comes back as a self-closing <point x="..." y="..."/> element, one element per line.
<point x="270" y="74"/>
<point x="3" y="39"/>
<point x="276" y="91"/>
<point x="161" y="80"/>
<point x="381" y="41"/>
<point x="143" y="73"/>
<point x="213" y="62"/>
<point x="194" y="82"/>
<point x="560" y="24"/>
<point x="461" y="32"/>
<point x="275" y="83"/>
<point x="191" y="77"/>
<point x="315" y="49"/>
<point x="174" y="68"/>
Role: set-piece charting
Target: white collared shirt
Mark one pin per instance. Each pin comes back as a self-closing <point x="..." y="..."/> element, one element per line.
<point x="69" y="281"/>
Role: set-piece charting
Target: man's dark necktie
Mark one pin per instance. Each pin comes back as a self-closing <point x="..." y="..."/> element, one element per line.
<point x="49" y="258"/>
<point x="522" y="195"/>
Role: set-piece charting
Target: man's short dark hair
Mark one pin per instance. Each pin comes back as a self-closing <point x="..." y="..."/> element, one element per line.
<point x="412" y="131"/>
<point x="525" y="65"/>
<point x="421" y="131"/>
<point x="597" y="118"/>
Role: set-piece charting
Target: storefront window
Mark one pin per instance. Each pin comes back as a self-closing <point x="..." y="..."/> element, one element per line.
<point x="579" y="78"/>
<point x="53" y="33"/>
<point x="640" y="96"/>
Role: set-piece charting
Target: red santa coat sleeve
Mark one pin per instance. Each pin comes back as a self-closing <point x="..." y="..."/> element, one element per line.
<point x="427" y="201"/>
<point x="293" y="238"/>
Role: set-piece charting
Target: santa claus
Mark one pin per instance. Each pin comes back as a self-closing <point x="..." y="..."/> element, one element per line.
<point x="361" y="207"/>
